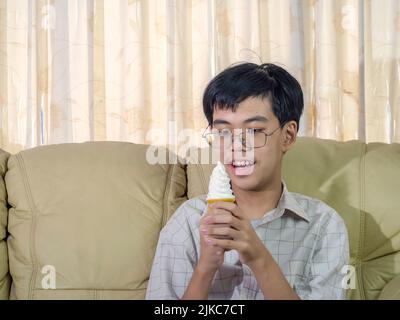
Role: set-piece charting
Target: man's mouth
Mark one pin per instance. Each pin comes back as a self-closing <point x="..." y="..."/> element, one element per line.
<point x="242" y="163"/>
<point x="242" y="167"/>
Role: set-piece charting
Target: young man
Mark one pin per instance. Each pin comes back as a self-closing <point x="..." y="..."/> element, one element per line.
<point x="271" y="243"/>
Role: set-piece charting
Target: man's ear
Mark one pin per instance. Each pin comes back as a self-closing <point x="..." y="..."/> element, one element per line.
<point x="289" y="135"/>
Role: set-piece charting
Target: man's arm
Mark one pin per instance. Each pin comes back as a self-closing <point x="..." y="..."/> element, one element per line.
<point x="271" y="280"/>
<point x="199" y="286"/>
<point x="325" y="280"/>
<point x="330" y="255"/>
<point x="211" y="258"/>
<point x="174" y="260"/>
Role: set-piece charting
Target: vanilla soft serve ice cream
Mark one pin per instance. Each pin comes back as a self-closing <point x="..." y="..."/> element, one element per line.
<point x="219" y="188"/>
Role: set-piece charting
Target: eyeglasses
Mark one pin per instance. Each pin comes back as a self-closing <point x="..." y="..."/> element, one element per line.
<point x="249" y="138"/>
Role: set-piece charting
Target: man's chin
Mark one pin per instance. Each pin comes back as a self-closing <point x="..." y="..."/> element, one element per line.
<point x="246" y="183"/>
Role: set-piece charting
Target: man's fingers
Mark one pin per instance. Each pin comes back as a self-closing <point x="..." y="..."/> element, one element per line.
<point x="213" y="212"/>
<point x="220" y="237"/>
<point x="228" y="206"/>
<point x="220" y="232"/>
<point x="226" y="244"/>
<point x="218" y="211"/>
<point x="224" y="219"/>
<point x="224" y="205"/>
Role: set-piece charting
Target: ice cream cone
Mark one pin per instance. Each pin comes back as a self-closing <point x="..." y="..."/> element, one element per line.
<point x="219" y="189"/>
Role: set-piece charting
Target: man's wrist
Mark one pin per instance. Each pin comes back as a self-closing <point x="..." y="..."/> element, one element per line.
<point x="200" y="284"/>
<point x="269" y="276"/>
<point x="205" y="272"/>
<point x="260" y="265"/>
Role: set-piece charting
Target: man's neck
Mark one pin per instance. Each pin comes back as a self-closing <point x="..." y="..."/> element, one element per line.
<point x="255" y="204"/>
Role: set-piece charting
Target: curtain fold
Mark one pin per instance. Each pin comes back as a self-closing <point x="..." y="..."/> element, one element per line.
<point x="135" y="70"/>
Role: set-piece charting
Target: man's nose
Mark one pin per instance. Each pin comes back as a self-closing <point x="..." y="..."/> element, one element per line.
<point x="237" y="148"/>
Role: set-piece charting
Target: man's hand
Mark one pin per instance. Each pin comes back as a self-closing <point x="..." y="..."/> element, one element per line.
<point x="227" y="228"/>
<point x="211" y="255"/>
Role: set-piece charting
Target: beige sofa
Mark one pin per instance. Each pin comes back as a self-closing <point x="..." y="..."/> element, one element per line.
<point x="81" y="221"/>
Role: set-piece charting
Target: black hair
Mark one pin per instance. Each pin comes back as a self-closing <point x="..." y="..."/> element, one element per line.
<point x="241" y="81"/>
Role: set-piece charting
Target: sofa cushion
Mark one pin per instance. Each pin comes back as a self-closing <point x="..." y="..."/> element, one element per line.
<point x="380" y="243"/>
<point x="391" y="291"/>
<point x="4" y="274"/>
<point x="361" y="183"/>
<point x="90" y="213"/>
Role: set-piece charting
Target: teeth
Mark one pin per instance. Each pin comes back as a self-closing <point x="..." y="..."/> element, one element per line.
<point x="242" y="163"/>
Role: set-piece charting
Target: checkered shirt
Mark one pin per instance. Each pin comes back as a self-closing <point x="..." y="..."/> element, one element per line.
<point x="307" y="238"/>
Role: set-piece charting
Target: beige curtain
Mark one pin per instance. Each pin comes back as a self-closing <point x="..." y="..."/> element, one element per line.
<point x="131" y="70"/>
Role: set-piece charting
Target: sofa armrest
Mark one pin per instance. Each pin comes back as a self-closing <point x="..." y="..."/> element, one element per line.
<point x="392" y="290"/>
<point x="5" y="279"/>
<point x="5" y="284"/>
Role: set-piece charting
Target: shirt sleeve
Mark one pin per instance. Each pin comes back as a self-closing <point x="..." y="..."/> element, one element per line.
<point x="174" y="260"/>
<point x="331" y="254"/>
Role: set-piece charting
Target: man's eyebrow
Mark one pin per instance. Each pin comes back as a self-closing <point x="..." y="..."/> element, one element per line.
<point x="220" y="121"/>
<point x="256" y="118"/>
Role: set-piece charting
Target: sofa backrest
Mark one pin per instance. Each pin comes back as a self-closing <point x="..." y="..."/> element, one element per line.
<point x="90" y="214"/>
<point x="4" y="274"/>
<point x="362" y="183"/>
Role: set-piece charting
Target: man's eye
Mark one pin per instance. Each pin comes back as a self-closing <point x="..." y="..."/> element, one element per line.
<point x="224" y="132"/>
<point x="253" y="130"/>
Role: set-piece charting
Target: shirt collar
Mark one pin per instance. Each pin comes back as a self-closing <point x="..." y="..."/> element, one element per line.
<point x="287" y="203"/>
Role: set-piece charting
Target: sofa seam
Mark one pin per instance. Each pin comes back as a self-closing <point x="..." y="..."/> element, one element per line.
<point x="88" y="289"/>
<point x="202" y="177"/>
<point x="22" y="169"/>
<point x="166" y="195"/>
<point x="362" y="223"/>
<point x="6" y="281"/>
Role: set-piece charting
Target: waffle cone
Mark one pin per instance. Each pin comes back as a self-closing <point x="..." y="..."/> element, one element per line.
<point x="210" y="201"/>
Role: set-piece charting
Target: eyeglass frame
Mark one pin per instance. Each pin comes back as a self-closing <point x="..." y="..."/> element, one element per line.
<point x="204" y="135"/>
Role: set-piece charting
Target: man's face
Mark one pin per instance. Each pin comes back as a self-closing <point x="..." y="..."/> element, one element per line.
<point x="264" y="163"/>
